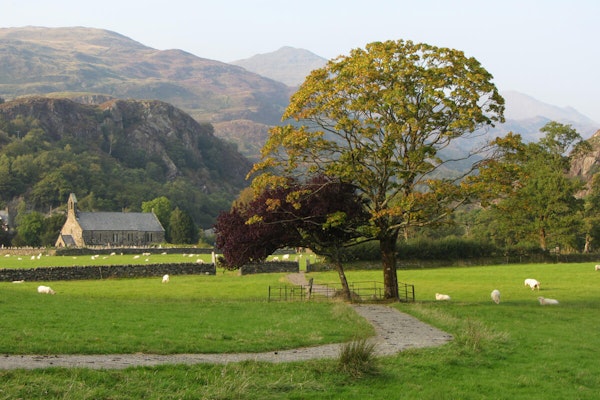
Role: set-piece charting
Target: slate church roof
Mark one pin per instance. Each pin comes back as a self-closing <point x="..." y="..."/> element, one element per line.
<point x="117" y="221"/>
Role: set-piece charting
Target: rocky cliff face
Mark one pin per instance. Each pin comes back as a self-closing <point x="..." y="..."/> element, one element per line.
<point x="586" y="166"/>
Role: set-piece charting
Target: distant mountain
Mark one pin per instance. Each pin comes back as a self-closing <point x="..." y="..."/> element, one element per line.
<point x="40" y="61"/>
<point x="526" y="115"/>
<point x="288" y="64"/>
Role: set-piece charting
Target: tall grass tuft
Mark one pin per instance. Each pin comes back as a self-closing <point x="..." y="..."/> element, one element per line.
<point x="357" y="358"/>
<point x="475" y="336"/>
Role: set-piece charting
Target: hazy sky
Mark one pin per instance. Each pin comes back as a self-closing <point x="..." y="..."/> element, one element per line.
<point x="547" y="49"/>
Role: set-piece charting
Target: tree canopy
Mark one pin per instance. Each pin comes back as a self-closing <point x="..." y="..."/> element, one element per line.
<point x="380" y="119"/>
<point x="537" y="200"/>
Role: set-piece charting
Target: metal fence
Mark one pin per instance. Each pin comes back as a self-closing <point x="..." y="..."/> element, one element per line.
<point x="360" y="291"/>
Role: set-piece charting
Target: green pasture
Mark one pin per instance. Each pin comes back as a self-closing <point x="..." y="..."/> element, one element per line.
<point x="36" y="261"/>
<point x="514" y="350"/>
<point x="40" y="259"/>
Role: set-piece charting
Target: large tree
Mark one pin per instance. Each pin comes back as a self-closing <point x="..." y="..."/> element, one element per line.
<point x="162" y="208"/>
<point x="538" y="199"/>
<point x="378" y="119"/>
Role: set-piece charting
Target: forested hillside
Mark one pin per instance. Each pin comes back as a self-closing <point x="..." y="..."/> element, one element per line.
<point x="114" y="156"/>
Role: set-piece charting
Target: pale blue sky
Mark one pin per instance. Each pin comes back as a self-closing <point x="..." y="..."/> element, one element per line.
<point x="547" y="49"/>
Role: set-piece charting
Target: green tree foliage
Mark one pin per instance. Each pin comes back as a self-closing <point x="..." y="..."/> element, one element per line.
<point x="29" y="229"/>
<point x="182" y="229"/>
<point x="539" y="200"/>
<point x="378" y="119"/>
<point x="5" y="235"/>
<point x="162" y="208"/>
<point x="52" y="226"/>
<point x="591" y="216"/>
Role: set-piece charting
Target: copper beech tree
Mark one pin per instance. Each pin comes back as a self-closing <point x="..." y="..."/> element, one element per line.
<point x="321" y="214"/>
<point x="378" y="120"/>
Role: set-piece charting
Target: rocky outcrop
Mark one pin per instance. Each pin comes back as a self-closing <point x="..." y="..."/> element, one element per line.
<point x="586" y="166"/>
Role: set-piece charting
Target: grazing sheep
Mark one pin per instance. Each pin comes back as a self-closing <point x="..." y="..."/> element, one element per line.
<point x="532" y="283"/>
<point x="21" y="281"/>
<point x="597" y="267"/>
<point x="275" y="259"/>
<point x="546" y="302"/>
<point x="136" y="257"/>
<point x="285" y="257"/>
<point x="496" y="296"/>
<point x="165" y="278"/>
<point x="439" y="296"/>
<point x="45" y="290"/>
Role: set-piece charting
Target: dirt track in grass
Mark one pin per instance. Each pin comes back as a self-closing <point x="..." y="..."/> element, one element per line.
<point x="395" y="332"/>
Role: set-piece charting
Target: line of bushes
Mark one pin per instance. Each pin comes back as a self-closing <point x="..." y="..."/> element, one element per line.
<point x="459" y="251"/>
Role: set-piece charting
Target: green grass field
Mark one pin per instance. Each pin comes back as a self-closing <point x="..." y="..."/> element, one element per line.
<point x="33" y="261"/>
<point x="514" y="350"/>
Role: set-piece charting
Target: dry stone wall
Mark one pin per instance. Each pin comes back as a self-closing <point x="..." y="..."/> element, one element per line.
<point x="269" y="267"/>
<point x="104" y="272"/>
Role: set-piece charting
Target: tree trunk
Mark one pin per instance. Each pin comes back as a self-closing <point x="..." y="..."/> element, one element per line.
<point x="542" y="239"/>
<point x="387" y="246"/>
<point x="345" y="288"/>
<point x="588" y="244"/>
<point x="337" y="260"/>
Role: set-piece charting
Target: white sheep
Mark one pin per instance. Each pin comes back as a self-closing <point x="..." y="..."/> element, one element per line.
<point x="496" y="296"/>
<point x="165" y="278"/>
<point x="285" y="257"/>
<point x="546" y="302"/>
<point x="439" y="296"/>
<point x="45" y="290"/>
<point x="275" y="259"/>
<point x="532" y="283"/>
<point x="597" y="267"/>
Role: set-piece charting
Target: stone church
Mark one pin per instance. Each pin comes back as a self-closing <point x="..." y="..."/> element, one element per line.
<point x="115" y="229"/>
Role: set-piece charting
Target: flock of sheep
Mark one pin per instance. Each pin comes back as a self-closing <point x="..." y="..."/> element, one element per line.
<point x="495" y="295"/>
